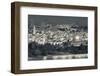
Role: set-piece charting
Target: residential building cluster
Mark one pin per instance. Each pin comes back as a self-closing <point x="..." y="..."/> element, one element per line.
<point x="65" y="33"/>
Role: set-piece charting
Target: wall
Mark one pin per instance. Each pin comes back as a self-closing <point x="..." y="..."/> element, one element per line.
<point x="5" y="42"/>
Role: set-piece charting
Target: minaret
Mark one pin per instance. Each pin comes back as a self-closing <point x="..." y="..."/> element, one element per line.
<point x="34" y="30"/>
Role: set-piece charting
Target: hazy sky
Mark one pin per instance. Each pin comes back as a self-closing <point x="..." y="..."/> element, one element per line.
<point x="48" y="19"/>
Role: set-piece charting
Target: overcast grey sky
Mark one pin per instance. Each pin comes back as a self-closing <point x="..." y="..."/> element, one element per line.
<point x="38" y="19"/>
<point x="41" y="20"/>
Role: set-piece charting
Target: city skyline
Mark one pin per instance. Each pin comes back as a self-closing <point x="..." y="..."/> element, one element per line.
<point x="51" y="36"/>
<point x="44" y="21"/>
<point x="50" y="19"/>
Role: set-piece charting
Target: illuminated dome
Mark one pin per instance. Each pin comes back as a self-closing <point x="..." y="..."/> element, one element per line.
<point x="77" y="38"/>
